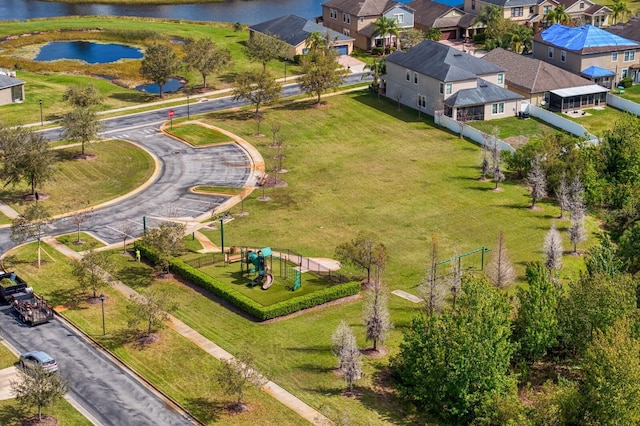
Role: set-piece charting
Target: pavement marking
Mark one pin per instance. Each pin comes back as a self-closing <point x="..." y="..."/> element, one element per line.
<point x="410" y="297"/>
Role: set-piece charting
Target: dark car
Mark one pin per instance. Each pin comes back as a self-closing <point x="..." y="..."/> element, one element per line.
<point x="43" y="359"/>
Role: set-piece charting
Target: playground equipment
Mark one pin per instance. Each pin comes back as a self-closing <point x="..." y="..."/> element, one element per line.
<point x="264" y="277"/>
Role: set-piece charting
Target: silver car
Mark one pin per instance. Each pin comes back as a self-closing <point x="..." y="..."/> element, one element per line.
<point x="43" y="359"/>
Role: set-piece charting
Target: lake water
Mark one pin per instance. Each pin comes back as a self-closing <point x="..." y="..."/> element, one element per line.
<point x="91" y="53"/>
<point x="173" y="85"/>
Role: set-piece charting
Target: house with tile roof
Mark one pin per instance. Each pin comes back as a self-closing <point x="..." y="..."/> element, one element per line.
<point x="592" y="52"/>
<point x="526" y="12"/>
<point x="452" y="22"/>
<point x="433" y="77"/>
<point x="11" y="88"/>
<point x="584" y="12"/>
<point x="543" y="84"/>
<point x="294" y="31"/>
<point x="355" y="18"/>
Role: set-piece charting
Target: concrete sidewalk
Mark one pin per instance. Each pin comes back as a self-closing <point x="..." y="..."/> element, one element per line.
<point x="6" y="376"/>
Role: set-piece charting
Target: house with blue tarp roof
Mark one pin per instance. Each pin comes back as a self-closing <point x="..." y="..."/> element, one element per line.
<point x="594" y="53"/>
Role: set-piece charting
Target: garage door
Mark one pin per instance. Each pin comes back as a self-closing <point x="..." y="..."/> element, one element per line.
<point x="342" y="49"/>
<point x="449" y="35"/>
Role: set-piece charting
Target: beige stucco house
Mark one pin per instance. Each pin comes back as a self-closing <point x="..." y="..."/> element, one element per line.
<point x="11" y="89"/>
<point x="526" y="12"/>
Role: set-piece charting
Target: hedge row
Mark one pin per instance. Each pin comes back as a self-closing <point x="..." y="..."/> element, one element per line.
<point x="245" y="303"/>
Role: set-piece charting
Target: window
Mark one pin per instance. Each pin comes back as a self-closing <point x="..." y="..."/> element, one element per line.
<point x="546" y="9"/>
<point x="415" y="78"/>
<point x="346" y="18"/>
<point x="629" y="55"/>
<point x="500" y="78"/>
<point x="581" y="5"/>
<point x="333" y="13"/>
<point x="473" y="4"/>
<point x="449" y="88"/>
<point x="441" y="88"/>
<point x="497" y="108"/>
<point x="625" y="72"/>
<point x="550" y="52"/>
<point x="408" y="75"/>
<point x="399" y="17"/>
<point x="530" y="10"/>
<point x="422" y="101"/>
<point x="346" y="31"/>
<point x="614" y="57"/>
<point x="563" y="55"/>
<point x="362" y="19"/>
<point x="516" y="11"/>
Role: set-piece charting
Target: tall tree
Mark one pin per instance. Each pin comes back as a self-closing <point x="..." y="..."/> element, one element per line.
<point x="552" y="249"/>
<point x="32" y="224"/>
<point x="377" y="320"/>
<point x="81" y="124"/>
<point x="166" y="241"/>
<point x="38" y="387"/>
<point x="206" y="57"/>
<point x="385" y="28"/>
<point x="520" y="38"/>
<point x="91" y="271"/>
<point x="26" y="156"/>
<point x="342" y="339"/>
<point x="235" y="375"/>
<point x="536" y="325"/>
<point x="536" y="181"/>
<point x="612" y="376"/>
<point x="619" y="9"/>
<point x="321" y="72"/>
<point x="82" y="96"/>
<point x="263" y="48"/>
<point x="363" y="251"/>
<point x="500" y="270"/>
<point x="558" y="15"/>
<point x="258" y="88"/>
<point x="159" y="64"/>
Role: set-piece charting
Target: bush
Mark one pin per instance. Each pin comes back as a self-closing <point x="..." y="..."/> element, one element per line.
<point x="245" y="303"/>
<point x="480" y="37"/>
<point x="377" y="51"/>
<point x="626" y="82"/>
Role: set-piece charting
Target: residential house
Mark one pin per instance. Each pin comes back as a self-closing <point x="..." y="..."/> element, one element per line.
<point x="11" y="89"/>
<point x="434" y="77"/>
<point x="294" y="31"/>
<point x="355" y="18"/>
<point x="629" y="30"/>
<point x="526" y="12"/>
<point x="592" y="52"/>
<point x="452" y="22"/>
<point x="587" y="12"/>
<point x="543" y="84"/>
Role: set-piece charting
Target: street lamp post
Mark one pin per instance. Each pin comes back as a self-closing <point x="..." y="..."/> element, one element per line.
<point x="222" y="236"/>
<point x="188" y="114"/>
<point x="285" y="69"/>
<point x="41" y="116"/>
<point x="102" y="303"/>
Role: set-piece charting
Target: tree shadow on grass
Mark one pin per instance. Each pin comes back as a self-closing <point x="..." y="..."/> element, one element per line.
<point x="206" y="410"/>
<point x="13" y="414"/>
<point x="136" y="276"/>
<point x="70" y="297"/>
<point x="136" y="98"/>
<point x="314" y="368"/>
<point x="390" y="107"/>
<point x="120" y="338"/>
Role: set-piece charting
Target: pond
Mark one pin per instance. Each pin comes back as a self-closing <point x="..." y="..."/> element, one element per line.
<point x="89" y="52"/>
<point x="173" y="85"/>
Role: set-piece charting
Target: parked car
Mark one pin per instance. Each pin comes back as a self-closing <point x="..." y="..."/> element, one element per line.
<point x="34" y="358"/>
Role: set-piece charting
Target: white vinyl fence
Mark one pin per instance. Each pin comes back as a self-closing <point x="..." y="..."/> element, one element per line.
<point x="623" y="104"/>
<point x="469" y="132"/>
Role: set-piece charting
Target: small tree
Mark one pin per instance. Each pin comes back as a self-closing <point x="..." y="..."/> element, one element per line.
<point x="32" y="224"/>
<point x="552" y="249"/>
<point x="376" y="316"/>
<point x="81" y="124"/>
<point x="341" y="339"/>
<point x="235" y="375"/>
<point x="257" y="88"/>
<point x="92" y="269"/>
<point x="432" y="289"/>
<point x="38" y="387"/>
<point x="321" y="72"/>
<point x="166" y="241"/>
<point x="562" y="195"/>
<point x="78" y="219"/>
<point x="82" y="96"/>
<point x="536" y="181"/>
<point x="150" y="308"/>
<point x="263" y="48"/>
<point x="500" y="270"/>
<point x="206" y="57"/>
<point x="364" y="252"/>
<point x="126" y="229"/>
<point x="351" y="364"/>
<point x="411" y="37"/>
<point x="498" y="176"/>
<point x="160" y="63"/>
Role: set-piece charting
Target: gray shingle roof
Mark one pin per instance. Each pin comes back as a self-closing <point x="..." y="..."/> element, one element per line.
<point x="630" y="30"/>
<point x="427" y="11"/>
<point x="513" y="3"/>
<point x="6" y="81"/>
<point x="361" y="7"/>
<point x="484" y="93"/>
<point x="533" y="75"/>
<point x="293" y="29"/>
<point x="442" y="62"/>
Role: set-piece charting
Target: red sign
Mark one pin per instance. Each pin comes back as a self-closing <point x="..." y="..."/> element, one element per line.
<point x="170" y="113"/>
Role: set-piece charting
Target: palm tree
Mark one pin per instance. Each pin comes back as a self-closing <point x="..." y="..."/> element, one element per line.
<point x="489" y="14"/>
<point x="558" y="15"/>
<point x="520" y="38"/>
<point x="385" y="28"/>
<point x="377" y="68"/>
<point x="619" y="9"/>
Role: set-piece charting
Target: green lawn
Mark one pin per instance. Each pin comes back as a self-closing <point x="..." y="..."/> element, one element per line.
<point x="532" y="129"/>
<point x="599" y="120"/>
<point x="11" y="413"/>
<point x="632" y="93"/>
<point x="79" y="184"/>
<point x="198" y="135"/>
<point x="86" y="241"/>
<point x="7" y="359"/>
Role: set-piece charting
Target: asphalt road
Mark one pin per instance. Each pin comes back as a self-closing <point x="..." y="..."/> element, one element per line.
<point x="104" y="389"/>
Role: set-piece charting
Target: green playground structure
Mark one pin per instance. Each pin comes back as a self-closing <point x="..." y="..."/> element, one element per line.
<point x="257" y="260"/>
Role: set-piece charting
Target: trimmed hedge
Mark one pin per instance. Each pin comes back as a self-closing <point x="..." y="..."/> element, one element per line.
<point x="245" y="303"/>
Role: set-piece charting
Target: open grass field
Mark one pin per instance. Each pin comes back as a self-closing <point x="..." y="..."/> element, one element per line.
<point x="86" y="241"/>
<point x="11" y="413"/>
<point x="198" y="135"/>
<point x="80" y="184"/>
<point x="7" y="359"/>
<point x="509" y="128"/>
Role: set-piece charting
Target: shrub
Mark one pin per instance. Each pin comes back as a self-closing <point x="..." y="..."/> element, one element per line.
<point x="626" y="82"/>
<point x="480" y="37"/>
<point x="377" y="51"/>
